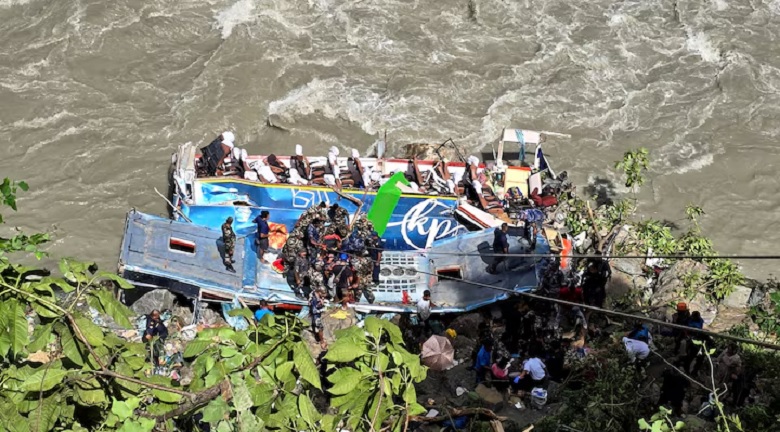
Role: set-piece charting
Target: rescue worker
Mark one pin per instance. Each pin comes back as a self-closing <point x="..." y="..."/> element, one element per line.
<point x="500" y="247"/>
<point x="229" y="239"/>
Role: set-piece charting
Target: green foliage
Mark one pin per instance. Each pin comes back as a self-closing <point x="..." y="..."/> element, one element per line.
<point x="601" y="396"/>
<point x="661" y="422"/>
<point x="725" y="276"/>
<point x="693" y="213"/>
<point x="69" y="374"/>
<point x="633" y="165"/>
<point x="657" y="236"/>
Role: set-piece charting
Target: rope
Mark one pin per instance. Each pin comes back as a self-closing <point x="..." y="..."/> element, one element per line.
<point x="598" y="309"/>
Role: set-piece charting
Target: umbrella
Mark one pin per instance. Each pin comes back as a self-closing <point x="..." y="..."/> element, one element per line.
<point x="437" y="353"/>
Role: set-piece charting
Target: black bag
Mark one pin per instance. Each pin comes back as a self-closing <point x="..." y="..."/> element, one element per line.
<point x="212" y="155"/>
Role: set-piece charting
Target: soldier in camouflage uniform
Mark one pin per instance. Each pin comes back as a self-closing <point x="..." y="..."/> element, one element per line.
<point x="229" y="239"/>
<point x="339" y="220"/>
<point x="316" y="276"/>
<point x="363" y="268"/>
<point x="295" y="239"/>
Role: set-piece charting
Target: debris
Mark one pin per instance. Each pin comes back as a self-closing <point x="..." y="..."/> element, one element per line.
<point x="157" y="299"/>
<point x="460" y="391"/>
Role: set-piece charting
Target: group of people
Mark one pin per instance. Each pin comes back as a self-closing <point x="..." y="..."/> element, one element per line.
<point x="327" y="256"/>
<point x="222" y="158"/>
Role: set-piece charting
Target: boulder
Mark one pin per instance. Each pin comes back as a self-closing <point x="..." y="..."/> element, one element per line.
<point x="468" y="325"/>
<point x="211" y="318"/>
<point x="739" y="298"/>
<point x="728" y="318"/>
<point x="619" y="285"/>
<point x="157" y="299"/>
<point x="490" y="397"/>
<point x="670" y="290"/>
<point x="463" y="347"/>
<point x="183" y="313"/>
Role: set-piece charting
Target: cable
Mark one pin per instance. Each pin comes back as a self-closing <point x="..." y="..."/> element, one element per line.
<point x="552" y="255"/>
<point x="597" y="309"/>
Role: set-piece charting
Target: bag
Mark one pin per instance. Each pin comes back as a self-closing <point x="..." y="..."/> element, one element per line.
<point x="538" y="397"/>
<point x="212" y="155"/>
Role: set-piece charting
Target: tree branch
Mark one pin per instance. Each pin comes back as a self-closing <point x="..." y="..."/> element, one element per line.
<point x="199" y="399"/>
<point x="458" y="412"/>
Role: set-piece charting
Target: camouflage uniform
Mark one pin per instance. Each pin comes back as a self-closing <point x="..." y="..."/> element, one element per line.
<point x="295" y="239"/>
<point x="339" y="221"/>
<point x="229" y="238"/>
<point x="364" y="268"/>
<point x="316" y="276"/>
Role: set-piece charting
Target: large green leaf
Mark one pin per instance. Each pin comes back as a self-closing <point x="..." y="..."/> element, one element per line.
<point x="162" y="395"/>
<point x="345" y="351"/>
<point x="69" y="345"/>
<point x="215" y="411"/>
<point x="248" y="422"/>
<point x="196" y="347"/>
<point x="59" y="283"/>
<point x="284" y="372"/>
<point x="307" y="410"/>
<point x="44" y="416"/>
<point x="242" y="400"/>
<point x="116" y="278"/>
<point x="261" y="393"/>
<point x="124" y="409"/>
<point x="91" y="397"/>
<point x="91" y="331"/>
<point x="42" y="336"/>
<point x="14" y="325"/>
<point x="305" y="365"/>
<point x="113" y="308"/>
<point x="45" y="378"/>
<point x="344" y="380"/>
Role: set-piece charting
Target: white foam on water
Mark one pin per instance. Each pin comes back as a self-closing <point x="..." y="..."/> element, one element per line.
<point x="719" y="5"/>
<point x="240" y="12"/>
<point x="41" y="122"/>
<point x="774" y="7"/>
<point x="700" y="43"/>
<point x="10" y="3"/>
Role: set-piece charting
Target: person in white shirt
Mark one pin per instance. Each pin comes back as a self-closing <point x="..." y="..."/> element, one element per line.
<point x="332" y="171"/>
<point x="533" y="374"/>
<point x="636" y="350"/>
<point x="424" y="306"/>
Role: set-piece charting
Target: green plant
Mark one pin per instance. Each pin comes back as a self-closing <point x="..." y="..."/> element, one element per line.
<point x="657" y="236"/>
<point x="691" y="282"/>
<point x="724" y="276"/>
<point x="661" y="422"/>
<point x="68" y="373"/>
<point x="693" y="213"/>
<point x="633" y="165"/>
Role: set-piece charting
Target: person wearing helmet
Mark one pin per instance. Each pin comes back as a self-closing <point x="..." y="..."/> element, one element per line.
<point x="681" y="317"/>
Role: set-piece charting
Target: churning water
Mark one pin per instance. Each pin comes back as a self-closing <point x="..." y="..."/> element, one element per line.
<point x="96" y="95"/>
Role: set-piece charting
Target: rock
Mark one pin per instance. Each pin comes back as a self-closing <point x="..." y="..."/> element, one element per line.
<point x="738" y="298"/>
<point x="183" y="313"/>
<point x="156" y="299"/>
<point x="467" y="325"/>
<point x="631" y="267"/>
<point x="670" y="290"/>
<point x="211" y="318"/>
<point x="463" y="347"/>
<point x="728" y="318"/>
<point x="492" y="398"/>
<point x="336" y="319"/>
<point x="619" y="285"/>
